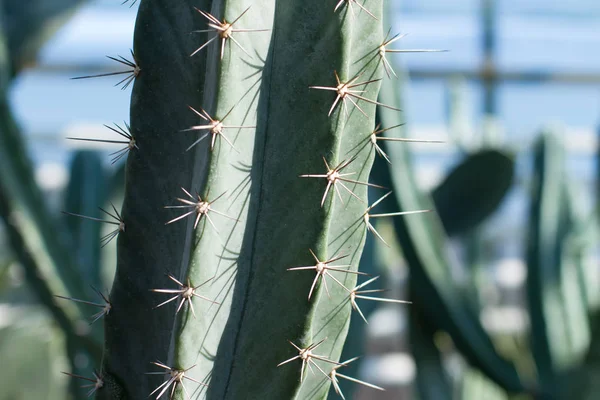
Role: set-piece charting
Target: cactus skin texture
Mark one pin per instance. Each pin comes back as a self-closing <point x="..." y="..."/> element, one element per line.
<point x="265" y="217"/>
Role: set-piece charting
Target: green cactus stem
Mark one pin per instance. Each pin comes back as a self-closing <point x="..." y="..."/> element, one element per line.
<point x="245" y="205"/>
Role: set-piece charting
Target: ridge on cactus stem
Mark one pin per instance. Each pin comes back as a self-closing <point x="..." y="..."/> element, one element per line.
<point x="334" y="178"/>
<point x="345" y="90"/>
<point x="132" y="73"/>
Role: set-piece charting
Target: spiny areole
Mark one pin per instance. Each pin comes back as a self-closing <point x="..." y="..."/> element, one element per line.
<point x="130" y="143"/>
<point x="132" y="73"/>
<point x="118" y="220"/>
<point x="215" y="128"/>
<point x="224" y="31"/>
<point x="323" y="269"/>
<point x="105" y="306"/>
<point x="187" y="292"/>
<point x="200" y="207"/>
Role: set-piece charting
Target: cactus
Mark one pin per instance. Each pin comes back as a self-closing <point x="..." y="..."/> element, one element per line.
<point x="556" y="296"/>
<point x="558" y="282"/>
<point x="245" y="213"/>
<point x="544" y="252"/>
<point x="86" y="192"/>
<point x="40" y="242"/>
<point x="245" y="201"/>
<point x="422" y="242"/>
<point x="271" y="226"/>
<point x="473" y="189"/>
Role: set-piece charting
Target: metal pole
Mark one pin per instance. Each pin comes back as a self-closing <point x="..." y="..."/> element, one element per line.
<point x="488" y="14"/>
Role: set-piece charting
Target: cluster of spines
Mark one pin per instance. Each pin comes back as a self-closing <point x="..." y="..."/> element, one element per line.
<point x="130" y="74"/>
<point x="345" y="91"/>
<point x="129" y="142"/>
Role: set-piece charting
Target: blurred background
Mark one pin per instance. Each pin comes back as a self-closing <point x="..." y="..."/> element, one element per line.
<point x="516" y="99"/>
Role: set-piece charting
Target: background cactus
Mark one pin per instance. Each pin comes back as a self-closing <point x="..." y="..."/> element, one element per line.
<point x="421" y="241"/>
<point x="557" y="280"/>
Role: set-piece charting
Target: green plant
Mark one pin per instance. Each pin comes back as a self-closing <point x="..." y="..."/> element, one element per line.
<point x="473" y="190"/>
<point x="229" y="210"/>
<point x="421" y="239"/>
<point x="460" y="209"/>
<point x="270" y="194"/>
<point x="271" y="224"/>
<point x="26" y="29"/>
<point x="40" y="242"/>
<point x="559" y="240"/>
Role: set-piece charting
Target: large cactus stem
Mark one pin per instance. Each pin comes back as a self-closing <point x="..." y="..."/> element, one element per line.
<point x="236" y="304"/>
